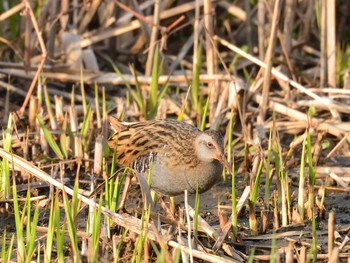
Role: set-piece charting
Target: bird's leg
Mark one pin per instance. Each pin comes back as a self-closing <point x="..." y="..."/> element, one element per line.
<point x="166" y="209"/>
<point x="121" y="206"/>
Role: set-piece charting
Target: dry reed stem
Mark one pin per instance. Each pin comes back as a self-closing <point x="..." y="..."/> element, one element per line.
<point x="345" y="241"/>
<point x="335" y="255"/>
<point x="289" y="252"/>
<point x="14" y="10"/>
<point x="104" y="78"/>
<point x="303" y="257"/>
<point x="207" y="257"/>
<point x="197" y="28"/>
<point x="275" y="72"/>
<point x="319" y="124"/>
<point x="135" y="24"/>
<point x="23" y="199"/>
<point x="80" y="234"/>
<point x="214" y="88"/>
<point x="89" y="14"/>
<point x="28" y="10"/>
<point x="138" y="15"/>
<point x="338" y="145"/>
<point x="268" y="61"/>
<point x="98" y="155"/>
<point x="234" y="253"/>
<point x="331" y="42"/>
<point x="233" y="10"/>
<point x="331" y="221"/>
<point x="203" y="225"/>
<point x="339" y="180"/>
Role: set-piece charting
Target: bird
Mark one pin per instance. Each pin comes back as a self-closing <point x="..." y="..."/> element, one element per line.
<point x="179" y="155"/>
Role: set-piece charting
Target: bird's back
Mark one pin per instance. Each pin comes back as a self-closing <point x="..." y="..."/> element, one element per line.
<point x="143" y="139"/>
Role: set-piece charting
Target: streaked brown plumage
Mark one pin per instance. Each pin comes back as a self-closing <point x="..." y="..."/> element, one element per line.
<point x="181" y="155"/>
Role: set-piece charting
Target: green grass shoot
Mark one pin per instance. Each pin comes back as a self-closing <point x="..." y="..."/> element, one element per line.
<point x="5" y="182"/>
<point x="51" y="141"/>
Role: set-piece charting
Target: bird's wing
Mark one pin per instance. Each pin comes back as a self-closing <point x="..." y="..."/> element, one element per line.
<point x="139" y="140"/>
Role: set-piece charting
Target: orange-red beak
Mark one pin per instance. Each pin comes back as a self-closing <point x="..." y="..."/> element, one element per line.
<point x="221" y="158"/>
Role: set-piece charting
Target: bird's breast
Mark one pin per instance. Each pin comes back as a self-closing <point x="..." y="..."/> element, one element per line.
<point x="170" y="179"/>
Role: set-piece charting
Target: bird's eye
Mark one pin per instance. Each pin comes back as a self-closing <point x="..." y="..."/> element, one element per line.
<point x="210" y="145"/>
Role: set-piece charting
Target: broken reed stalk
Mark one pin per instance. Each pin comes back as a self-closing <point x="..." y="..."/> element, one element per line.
<point x="98" y="155"/>
<point x="331" y="220"/>
<point x="331" y="42"/>
<point x="335" y="255"/>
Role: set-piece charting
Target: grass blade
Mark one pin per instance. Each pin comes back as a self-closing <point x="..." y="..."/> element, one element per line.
<point x="54" y="146"/>
<point x="31" y="227"/>
<point x="85" y="128"/>
<point x="153" y="101"/>
<point x="21" y="252"/>
<point x="302" y="181"/>
<point x="63" y="137"/>
<point x="5" y="185"/>
<point x="204" y="115"/>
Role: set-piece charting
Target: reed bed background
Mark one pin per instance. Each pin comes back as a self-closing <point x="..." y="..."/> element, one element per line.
<point x="272" y="76"/>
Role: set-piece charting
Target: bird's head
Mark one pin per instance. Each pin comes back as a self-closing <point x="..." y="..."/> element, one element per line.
<point x="209" y="147"/>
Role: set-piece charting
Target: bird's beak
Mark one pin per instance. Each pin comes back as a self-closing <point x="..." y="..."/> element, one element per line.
<point x="221" y="158"/>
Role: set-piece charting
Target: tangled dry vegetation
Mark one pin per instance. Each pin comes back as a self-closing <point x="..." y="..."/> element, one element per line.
<point x="272" y="76"/>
